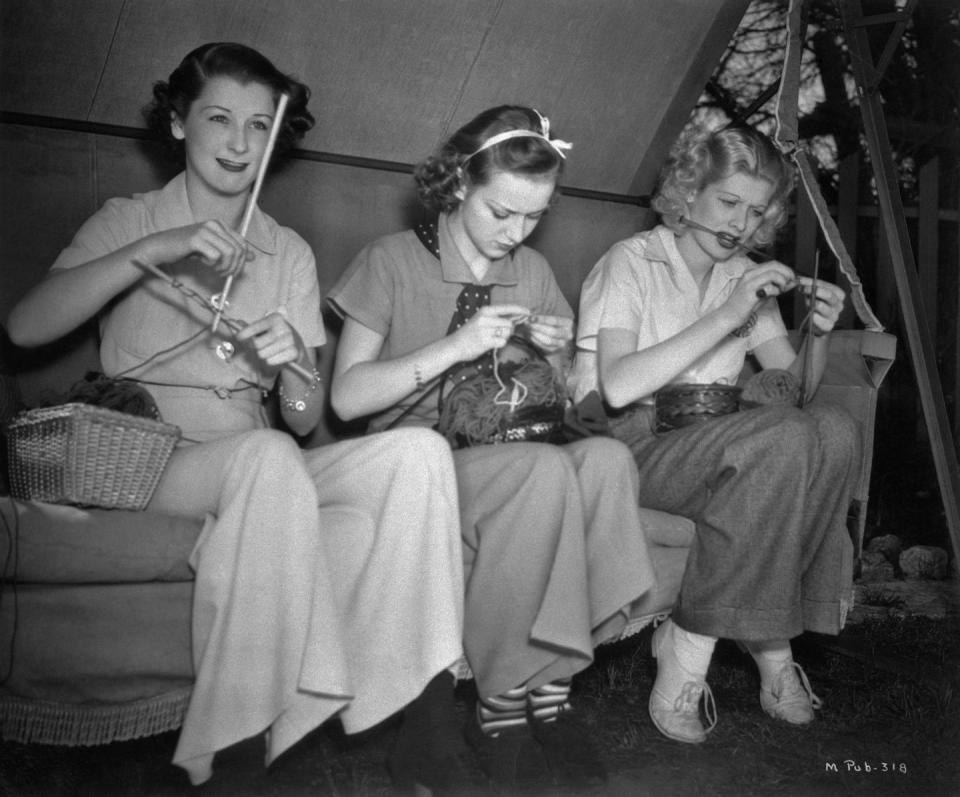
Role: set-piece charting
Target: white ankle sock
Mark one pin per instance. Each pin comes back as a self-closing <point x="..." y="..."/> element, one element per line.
<point x="693" y="652"/>
<point x="771" y="657"/>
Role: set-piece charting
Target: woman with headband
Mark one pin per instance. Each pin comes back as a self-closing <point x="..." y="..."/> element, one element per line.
<point x="553" y="550"/>
<point x="328" y="581"/>
<point x="768" y="488"/>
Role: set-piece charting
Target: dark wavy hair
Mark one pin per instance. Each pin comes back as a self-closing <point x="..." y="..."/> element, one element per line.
<point x="700" y="157"/>
<point x="440" y="176"/>
<point x="226" y="59"/>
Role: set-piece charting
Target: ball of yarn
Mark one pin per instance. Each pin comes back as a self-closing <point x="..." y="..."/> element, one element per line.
<point x="771" y="386"/>
<point x="479" y="410"/>
<point x="121" y="395"/>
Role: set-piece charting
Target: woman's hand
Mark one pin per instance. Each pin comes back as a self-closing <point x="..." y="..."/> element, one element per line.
<point x="212" y="243"/>
<point x="489" y="328"/>
<point x="273" y="340"/>
<point x="757" y="284"/>
<point x="550" y="332"/>
<point x="825" y="307"/>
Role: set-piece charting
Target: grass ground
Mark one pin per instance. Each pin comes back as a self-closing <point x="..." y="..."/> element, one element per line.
<point x="890" y="726"/>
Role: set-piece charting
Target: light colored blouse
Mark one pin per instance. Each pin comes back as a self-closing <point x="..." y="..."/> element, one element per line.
<point x="643" y="285"/>
<point x="153" y="316"/>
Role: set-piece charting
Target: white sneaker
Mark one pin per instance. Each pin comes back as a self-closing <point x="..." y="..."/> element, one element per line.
<point x="678" y="716"/>
<point x="791" y="698"/>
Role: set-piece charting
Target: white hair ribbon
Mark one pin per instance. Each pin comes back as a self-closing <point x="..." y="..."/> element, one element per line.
<point x="559" y="146"/>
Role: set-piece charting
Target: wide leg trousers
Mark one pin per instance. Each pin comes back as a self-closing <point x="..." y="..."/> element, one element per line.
<point x="327" y="580"/>
<point x="769" y="490"/>
<point x="554" y="554"/>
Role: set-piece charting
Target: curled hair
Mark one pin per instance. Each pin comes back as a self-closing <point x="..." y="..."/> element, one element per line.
<point x="237" y="61"/>
<point x="440" y="176"/>
<point x="701" y="157"/>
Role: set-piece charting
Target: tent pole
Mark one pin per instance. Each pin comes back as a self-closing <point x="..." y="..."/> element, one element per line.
<point x="922" y="352"/>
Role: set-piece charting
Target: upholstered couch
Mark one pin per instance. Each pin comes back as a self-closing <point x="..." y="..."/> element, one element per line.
<point x="95" y="603"/>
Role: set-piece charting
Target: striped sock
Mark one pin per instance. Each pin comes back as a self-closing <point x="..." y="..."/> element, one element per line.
<point x="500" y="712"/>
<point x="547" y="701"/>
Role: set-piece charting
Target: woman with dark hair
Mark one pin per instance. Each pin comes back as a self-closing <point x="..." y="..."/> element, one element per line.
<point x="173" y="97"/>
<point x="553" y="548"/>
<point x="768" y="488"/>
<point x="328" y="580"/>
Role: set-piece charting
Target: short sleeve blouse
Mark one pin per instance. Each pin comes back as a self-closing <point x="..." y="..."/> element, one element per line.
<point x="153" y="316"/>
<point x="399" y="289"/>
<point x="642" y="285"/>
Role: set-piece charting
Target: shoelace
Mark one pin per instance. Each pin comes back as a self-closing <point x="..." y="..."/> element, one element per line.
<point x="794" y="690"/>
<point x="688" y="702"/>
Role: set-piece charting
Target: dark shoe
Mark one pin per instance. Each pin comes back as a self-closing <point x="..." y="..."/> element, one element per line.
<point x="570" y="753"/>
<point x="512" y="760"/>
<point x="430" y="754"/>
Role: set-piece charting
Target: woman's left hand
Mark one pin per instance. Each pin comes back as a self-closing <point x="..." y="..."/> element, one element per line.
<point x="825" y="307"/>
<point x="550" y="332"/>
<point x="275" y="342"/>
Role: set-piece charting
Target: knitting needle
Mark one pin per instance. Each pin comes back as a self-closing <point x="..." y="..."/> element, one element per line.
<point x="221" y="302"/>
<point x="723" y="237"/>
<point x="810" y="333"/>
<point x="727" y="238"/>
<point x="233" y="324"/>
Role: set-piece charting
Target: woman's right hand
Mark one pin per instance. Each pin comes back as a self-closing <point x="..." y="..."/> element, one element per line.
<point x="210" y="242"/>
<point x="489" y="328"/>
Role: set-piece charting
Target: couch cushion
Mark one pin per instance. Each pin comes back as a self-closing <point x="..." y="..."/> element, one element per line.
<point x="662" y="528"/>
<point x="63" y="544"/>
<point x="83" y="643"/>
<point x="669" y="564"/>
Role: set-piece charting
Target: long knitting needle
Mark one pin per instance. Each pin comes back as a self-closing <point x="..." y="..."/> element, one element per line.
<point x="805" y="367"/>
<point x="232" y="323"/>
<point x="221" y="303"/>
<point x="731" y="240"/>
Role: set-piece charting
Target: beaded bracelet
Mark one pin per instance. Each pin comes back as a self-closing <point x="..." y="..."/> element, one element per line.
<point x="300" y="404"/>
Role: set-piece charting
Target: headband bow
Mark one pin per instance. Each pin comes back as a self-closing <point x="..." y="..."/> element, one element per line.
<point x="558" y="145"/>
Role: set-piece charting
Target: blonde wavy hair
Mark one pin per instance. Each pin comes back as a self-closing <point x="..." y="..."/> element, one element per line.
<point x="701" y="157"/>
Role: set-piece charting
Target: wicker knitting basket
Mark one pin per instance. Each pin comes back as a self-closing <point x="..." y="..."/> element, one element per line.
<point x="690" y="403"/>
<point x="87" y="455"/>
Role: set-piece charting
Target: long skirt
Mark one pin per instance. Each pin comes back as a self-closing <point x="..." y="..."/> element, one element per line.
<point x="769" y="490"/>
<point x="327" y="581"/>
<point x="554" y="554"/>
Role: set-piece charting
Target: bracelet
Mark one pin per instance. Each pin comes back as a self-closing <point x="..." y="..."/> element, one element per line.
<point x="745" y="330"/>
<point x="300" y="404"/>
<point x="418" y="376"/>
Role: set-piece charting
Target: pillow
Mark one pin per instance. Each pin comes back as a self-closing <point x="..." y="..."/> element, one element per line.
<point x="10" y="402"/>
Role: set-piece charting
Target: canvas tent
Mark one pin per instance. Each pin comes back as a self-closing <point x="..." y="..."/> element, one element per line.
<point x="390" y="79"/>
